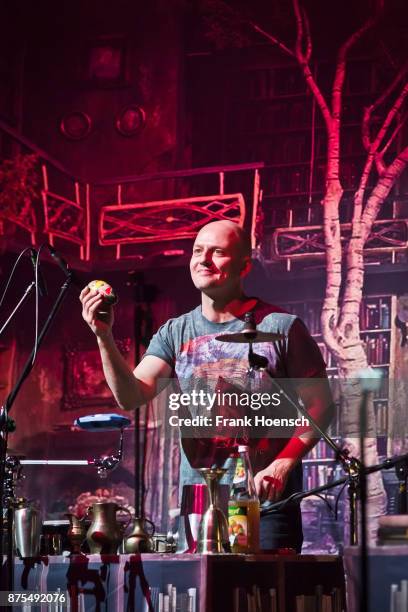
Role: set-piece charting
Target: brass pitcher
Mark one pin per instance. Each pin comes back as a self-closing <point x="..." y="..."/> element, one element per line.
<point x="76" y="532"/>
<point x="140" y="538"/>
<point x="105" y="533"/>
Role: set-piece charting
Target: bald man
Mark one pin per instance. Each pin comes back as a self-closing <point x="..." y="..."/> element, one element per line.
<point x="185" y="347"/>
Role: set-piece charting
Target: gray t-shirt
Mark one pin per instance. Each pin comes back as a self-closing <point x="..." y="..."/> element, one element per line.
<point x="187" y="343"/>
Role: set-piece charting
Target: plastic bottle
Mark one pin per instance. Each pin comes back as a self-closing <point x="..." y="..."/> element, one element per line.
<point x="243" y="506"/>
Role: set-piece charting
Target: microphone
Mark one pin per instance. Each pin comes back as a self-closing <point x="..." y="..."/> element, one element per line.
<point x="61" y="263"/>
<point x="42" y="287"/>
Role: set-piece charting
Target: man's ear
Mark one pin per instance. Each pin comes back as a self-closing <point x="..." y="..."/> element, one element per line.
<point x="246" y="266"/>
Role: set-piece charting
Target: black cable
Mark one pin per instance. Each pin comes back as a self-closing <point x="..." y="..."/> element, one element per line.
<point x="36" y="310"/>
<point x="28" y="249"/>
<point x="37" y="292"/>
<point x="336" y="505"/>
<point x="322" y="497"/>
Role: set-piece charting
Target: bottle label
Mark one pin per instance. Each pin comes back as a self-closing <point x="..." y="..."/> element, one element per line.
<point x="238" y="525"/>
<point x="239" y="475"/>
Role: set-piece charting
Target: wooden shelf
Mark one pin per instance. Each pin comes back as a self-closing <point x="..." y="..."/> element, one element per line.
<point x="215" y="577"/>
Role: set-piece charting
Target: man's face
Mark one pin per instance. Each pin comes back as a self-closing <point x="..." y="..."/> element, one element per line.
<point x="217" y="261"/>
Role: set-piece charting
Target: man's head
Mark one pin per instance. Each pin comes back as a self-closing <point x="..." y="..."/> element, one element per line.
<point x="221" y="258"/>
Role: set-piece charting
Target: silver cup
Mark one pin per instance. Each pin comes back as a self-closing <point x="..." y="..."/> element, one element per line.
<point x="27" y="531"/>
<point x="194" y="504"/>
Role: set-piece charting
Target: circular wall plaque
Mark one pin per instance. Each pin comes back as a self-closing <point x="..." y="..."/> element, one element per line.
<point x="76" y="125"/>
<point x="130" y="120"/>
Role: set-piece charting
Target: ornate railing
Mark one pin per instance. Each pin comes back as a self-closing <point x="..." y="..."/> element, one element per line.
<point x="62" y="212"/>
<point x="307" y="242"/>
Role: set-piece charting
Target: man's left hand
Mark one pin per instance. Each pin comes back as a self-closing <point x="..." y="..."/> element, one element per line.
<point x="271" y="482"/>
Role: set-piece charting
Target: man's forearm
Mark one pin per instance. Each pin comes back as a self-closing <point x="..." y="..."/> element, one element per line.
<point x="127" y="390"/>
<point x="297" y="447"/>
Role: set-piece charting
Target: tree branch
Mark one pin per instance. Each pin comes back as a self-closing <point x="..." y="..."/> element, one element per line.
<point x="397" y="129"/>
<point x="392" y="113"/>
<point x="299" y="32"/>
<point x="388" y="91"/>
<point x="342" y="55"/>
<point x="379" y="163"/>
<point x="368" y="110"/>
<point x="303" y="60"/>
<point x="365" y="128"/>
<point x="383" y="187"/>
<point x="308" y="53"/>
<point x="375" y="155"/>
<point x="272" y="39"/>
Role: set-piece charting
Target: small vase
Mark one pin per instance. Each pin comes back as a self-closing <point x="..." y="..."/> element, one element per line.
<point x="213" y="530"/>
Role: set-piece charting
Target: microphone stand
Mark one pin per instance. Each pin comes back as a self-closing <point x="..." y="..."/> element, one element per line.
<point x="143" y="295"/>
<point x="103" y="464"/>
<point x="401" y="470"/>
<point x="357" y="473"/>
<point x="364" y="591"/>
<point x="270" y="507"/>
<point x="351" y="465"/>
<point x="4" y="435"/>
<point x="25" y="295"/>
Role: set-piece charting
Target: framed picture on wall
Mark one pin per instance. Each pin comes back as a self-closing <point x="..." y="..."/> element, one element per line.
<point x="84" y="381"/>
<point x="106" y="62"/>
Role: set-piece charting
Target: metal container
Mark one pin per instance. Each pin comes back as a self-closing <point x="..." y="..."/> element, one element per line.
<point x="76" y="532"/>
<point x="27" y="531"/>
<point x="50" y="544"/>
<point x="213" y="529"/>
<point x="164" y="543"/>
<point x="140" y="539"/>
<point x="194" y="504"/>
<point x="105" y="532"/>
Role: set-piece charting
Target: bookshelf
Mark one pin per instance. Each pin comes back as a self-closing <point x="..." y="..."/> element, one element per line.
<point x="379" y="334"/>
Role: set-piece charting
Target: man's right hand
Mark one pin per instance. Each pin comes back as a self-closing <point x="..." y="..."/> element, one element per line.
<point x="92" y="303"/>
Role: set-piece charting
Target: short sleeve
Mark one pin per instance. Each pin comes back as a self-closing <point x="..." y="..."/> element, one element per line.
<point x="304" y="359"/>
<point x="162" y="344"/>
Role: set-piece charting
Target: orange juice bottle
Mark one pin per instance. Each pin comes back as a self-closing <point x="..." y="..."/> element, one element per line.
<point x="243" y="506"/>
